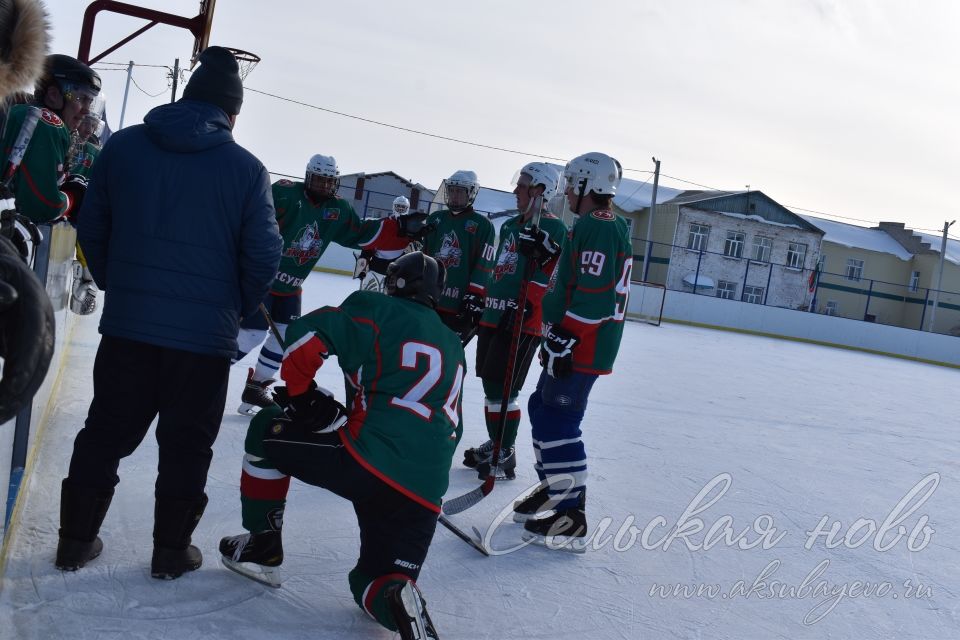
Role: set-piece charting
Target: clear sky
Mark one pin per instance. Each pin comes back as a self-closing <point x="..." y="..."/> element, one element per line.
<point x="847" y="108"/>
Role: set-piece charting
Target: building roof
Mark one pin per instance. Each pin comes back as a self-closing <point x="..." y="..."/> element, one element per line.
<point x="408" y="183"/>
<point x="749" y="205"/>
<point x="634" y="195"/>
<point x="953" y="246"/>
<point x="851" y="235"/>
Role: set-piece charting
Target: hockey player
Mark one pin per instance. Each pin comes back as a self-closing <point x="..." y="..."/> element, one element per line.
<point x="583" y="314"/>
<point x="86" y="145"/>
<point x="392" y="457"/>
<point x="536" y="183"/>
<point x="311" y="216"/>
<point x="462" y="240"/>
<point x="63" y="97"/>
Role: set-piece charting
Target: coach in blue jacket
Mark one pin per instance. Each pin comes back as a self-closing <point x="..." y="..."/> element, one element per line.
<point x="179" y="230"/>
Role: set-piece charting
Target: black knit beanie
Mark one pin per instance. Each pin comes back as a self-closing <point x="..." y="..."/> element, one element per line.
<point x="217" y="81"/>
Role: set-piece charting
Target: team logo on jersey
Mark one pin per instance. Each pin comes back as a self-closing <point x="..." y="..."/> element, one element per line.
<point x="283" y="182"/>
<point x="470" y="226"/>
<point x="50" y="117"/>
<point x="450" y="252"/>
<point x="307" y="246"/>
<point x="331" y="214"/>
<point x="507" y="260"/>
<point x="603" y="214"/>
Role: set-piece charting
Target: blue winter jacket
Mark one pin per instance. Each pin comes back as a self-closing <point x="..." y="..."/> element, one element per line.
<point x="178" y="228"/>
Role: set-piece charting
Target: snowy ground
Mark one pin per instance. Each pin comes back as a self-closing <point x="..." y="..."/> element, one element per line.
<point x="801" y="432"/>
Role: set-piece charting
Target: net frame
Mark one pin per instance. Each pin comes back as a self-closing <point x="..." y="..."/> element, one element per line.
<point x="245" y="60"/>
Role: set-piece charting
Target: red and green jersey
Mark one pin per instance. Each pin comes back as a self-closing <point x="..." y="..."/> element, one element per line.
<point x="36" y="184"/>
<point x="463" y="244"/>
<point x="590" y="287"/>
<point x="407" y="368"/>
<point x="308" y="227"/>
<point x="509" y="269"/>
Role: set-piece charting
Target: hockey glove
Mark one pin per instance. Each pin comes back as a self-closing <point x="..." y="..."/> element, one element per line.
<point x="315" y="410"/>
<point x="472" y="308"/>
<point x="412" y="225"/>
<point x="556" y="352"/>
<point x="83" y="294"/>
<point x="75" y="187"/>
<point x="506" y="319"/>
<point x="538" y="246"/>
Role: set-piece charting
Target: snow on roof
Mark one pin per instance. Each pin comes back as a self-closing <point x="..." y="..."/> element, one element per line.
<point x="633" y="195"/>
<point x="757" y="218"/>
<point x="953" y="246"/>
<point x="851" y="235"/>
<point x="703" y="281"/>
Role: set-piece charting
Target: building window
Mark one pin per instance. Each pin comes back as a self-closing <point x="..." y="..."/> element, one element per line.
<point x="854" y="269"/>
<point x="831" y="308"/>
<point x="796" y="254"/>
<point x="697" y="240"/>
<point x="727" y="290"/>
<point x="733" y="247"/>
<point x="914" y="281"/>
<point x="753" y="295"/>
<point x="761" y="249"/>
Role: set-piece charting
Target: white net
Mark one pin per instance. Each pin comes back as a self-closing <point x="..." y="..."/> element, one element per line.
<point x="646" y="302"/>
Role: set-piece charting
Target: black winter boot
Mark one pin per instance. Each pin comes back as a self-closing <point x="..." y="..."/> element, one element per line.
<point x="173" y="523"/>
<point x="82" y="511"/>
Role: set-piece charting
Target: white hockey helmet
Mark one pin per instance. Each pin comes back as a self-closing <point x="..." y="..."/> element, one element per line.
<point x="594" y="171"/>
<point x="461" y="190"/>
<point x="401" y="206"/>
<point x="540" y="173"/>
<point x="323" y="176"/>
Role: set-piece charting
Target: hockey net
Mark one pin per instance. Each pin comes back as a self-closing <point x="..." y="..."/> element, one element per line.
<point x="646" y="302"/>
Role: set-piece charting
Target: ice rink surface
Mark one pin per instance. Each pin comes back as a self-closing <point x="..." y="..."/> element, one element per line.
<point x="719" y="463"/>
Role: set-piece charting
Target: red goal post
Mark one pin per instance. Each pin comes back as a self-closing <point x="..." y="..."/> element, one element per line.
<point x="646" y="302"/>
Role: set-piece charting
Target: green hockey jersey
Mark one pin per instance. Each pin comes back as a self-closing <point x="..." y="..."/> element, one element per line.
<point x="407" y="368"/>
<point x="590" y="287"/>
<point x="36" y="184"/>
<point x="463" y="244"/>
<point x="308" y="227"/>
<point x="509" y="269"/>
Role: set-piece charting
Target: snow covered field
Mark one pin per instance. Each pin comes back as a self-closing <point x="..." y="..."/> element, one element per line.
<point x="785" y="436"/>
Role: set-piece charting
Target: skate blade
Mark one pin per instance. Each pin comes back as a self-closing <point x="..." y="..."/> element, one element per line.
<point x="248" y="410"/>
<point x="411" y="604"/>
<point x="269" y="576"/>
<point x="570" y="544"/>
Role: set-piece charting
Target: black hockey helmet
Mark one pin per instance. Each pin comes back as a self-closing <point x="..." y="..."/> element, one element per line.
<point x="416" y="276"/>
<point x="64" y="69"/>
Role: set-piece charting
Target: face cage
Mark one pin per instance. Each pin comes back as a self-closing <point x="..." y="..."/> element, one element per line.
<point x="321" y="185"/>
<point x="400" y="209"/>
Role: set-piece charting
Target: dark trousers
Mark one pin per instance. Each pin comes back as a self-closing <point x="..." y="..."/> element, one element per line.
<point x="133" y="382"/>
<point x="395" y="531"/>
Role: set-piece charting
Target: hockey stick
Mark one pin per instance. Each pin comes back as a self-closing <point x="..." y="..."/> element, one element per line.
<point x="273" y="327"/>
<point x="463" y="536"/>
<point x="467" y="500"/>
<point x="20" y="146"/>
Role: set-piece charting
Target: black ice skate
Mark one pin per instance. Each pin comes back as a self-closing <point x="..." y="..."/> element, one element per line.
<point x="536" y="502"/>
<point x="257" y="556"/>
<point x="410" y="612"/>
<point x="476" y="455"/>
<point x="564" y="530"/>
<point x="255" y="396"/>
<point x="506" y="470"/>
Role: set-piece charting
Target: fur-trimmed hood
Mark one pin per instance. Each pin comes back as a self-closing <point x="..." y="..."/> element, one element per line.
<point x="23" y="44"/>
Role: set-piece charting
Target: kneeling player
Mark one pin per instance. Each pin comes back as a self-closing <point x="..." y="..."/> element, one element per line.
<point x="392" y="457"/>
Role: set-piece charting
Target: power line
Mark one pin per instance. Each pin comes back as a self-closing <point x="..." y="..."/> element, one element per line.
<point x="151" y="95"/>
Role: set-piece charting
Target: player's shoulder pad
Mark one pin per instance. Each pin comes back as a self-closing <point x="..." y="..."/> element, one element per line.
<point x="50" y="118"/>
<point x="284" y="183"/>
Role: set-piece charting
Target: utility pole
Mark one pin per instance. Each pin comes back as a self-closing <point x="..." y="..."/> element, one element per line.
<point x="653" y="208"/>
<point x="126" y="92"/>
<point x="936" y="292"/>
<point x="176" y="74"/>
